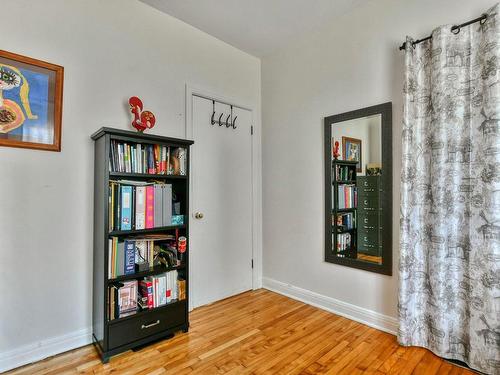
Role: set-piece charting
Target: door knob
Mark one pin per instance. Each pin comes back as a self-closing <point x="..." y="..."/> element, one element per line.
<point x="198" y="215"/>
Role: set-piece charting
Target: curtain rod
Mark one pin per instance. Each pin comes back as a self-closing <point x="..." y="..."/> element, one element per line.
<point x="454" y="29"/>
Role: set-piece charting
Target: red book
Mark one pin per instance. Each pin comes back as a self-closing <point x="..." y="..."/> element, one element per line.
<point x="150" y="204"/>
<point x="146" y="289"/>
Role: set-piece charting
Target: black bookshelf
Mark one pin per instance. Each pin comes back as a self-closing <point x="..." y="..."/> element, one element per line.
<point x="338" y="180"/>
<point x="112" y="337"/>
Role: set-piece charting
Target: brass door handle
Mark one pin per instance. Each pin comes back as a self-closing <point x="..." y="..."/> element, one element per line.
<point x="198" y="215"/>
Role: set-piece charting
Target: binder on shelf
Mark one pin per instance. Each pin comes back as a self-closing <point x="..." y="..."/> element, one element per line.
<point x="126" y="208"/>
<point x="158" y="202"/>
<point x="167" y="204"/>
<point x="150" y="200"/>
<point x="140" y="210"/>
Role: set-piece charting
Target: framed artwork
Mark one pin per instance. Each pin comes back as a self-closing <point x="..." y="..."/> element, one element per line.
<point x="30" y="102"/>
<point x="351" y="149"/>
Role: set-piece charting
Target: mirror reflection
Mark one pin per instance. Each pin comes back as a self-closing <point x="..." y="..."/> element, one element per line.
<point x="357" y="169"/>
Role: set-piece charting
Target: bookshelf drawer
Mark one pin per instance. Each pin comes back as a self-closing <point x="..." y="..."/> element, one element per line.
<point x="368" y="220"/>
<point x="366" y="182"/>
<point x="368" y="237"/>
<point x="147" y="324"/>
<point x="368" y="203"/>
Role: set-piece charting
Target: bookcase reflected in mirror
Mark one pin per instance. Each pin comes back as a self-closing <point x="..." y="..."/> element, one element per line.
<point x="358" y="188"/>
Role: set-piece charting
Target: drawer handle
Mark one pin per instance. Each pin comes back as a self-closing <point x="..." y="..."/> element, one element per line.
<point x="150" y="325"/>
<point x="368" y="209"/>
<point x="369" y="245"/>
<point x="368" y="190"/>
<point x="366" y="227"/>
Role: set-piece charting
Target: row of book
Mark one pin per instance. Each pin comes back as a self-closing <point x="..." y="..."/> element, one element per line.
<point x="344" y="241"/>
<point x="156" y="291"/>
<point x="147" y="158"/>
<point x="141" y="253"/>
<point x="129" y="297"/>
<point x="140" y="205"/>
<point x="347" y="196"/>
<point x="345" y="172"/>
<point x="346" y="221"/>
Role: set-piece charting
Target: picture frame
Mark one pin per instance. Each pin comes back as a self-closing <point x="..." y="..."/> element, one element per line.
<point x="351" y="150"/>
<point x="31" y="98"/>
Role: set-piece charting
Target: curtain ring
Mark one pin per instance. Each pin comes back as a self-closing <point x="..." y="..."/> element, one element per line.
<point x="455" y="29"/>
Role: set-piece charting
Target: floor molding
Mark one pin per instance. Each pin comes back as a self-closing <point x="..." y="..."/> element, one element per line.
<point x="359" y="314"/>
<point x="37" y="351"/>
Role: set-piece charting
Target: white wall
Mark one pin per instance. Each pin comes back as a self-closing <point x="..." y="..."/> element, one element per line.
<point x="353" y="62"/>
<point x="110" y="50"/>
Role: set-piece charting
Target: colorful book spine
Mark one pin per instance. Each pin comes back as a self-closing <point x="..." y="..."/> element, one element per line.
<point x="140" y="207"/>
<point x="126" y="208"/>
<point x="129" y="266"/>
<point x="150" y="202"/>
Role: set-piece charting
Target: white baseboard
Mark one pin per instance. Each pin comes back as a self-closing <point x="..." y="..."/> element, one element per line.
<point x="35" y="352"/>
<point x="359" y="314"/>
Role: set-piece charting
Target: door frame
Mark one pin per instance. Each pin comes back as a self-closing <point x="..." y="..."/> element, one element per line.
<point x="256" y="177"/>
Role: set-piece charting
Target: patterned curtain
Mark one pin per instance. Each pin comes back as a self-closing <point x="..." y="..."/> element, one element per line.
<point x="449" y="274"/>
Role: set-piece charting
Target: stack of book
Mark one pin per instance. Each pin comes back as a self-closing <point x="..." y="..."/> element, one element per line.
<point x="122" y="299"/>
<point x="346" y="221"/>
<point x="139" y="205"/>
<point x="344" y="172"/>
<point x="347" y="196"/>
<point x="146" y="158"/>
<point x="124" y="255"/>
<point x="156" y="291"/>
<point x="343" y="241"/>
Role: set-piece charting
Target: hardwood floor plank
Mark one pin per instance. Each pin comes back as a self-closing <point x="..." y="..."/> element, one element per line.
<point x="259" y="332"/>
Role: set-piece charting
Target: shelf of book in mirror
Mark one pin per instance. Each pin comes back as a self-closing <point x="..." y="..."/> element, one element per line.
<point x="345" y="209"/>
<point x="345" y="181"/>
<point x="344" y="230"/>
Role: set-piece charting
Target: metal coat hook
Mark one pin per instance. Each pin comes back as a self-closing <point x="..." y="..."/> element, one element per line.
<point x="213" y="113"/>
<point x="234" y="122"/>
<point x="228" y="123"/>
<point x="220" y="119"/>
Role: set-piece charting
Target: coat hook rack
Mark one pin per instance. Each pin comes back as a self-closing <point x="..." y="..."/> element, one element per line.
<point x="220" y="119"/>
<point x="213" y="113"/>
<point x="228" y="122"/>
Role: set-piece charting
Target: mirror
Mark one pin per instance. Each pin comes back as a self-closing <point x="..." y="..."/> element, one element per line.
<point x="358" y="188"/>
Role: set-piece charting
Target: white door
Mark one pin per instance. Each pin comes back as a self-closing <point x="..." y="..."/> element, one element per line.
<point x="221" y="166"/>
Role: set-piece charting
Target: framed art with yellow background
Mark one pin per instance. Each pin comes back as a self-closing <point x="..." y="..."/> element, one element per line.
<point x="30" y="102"/>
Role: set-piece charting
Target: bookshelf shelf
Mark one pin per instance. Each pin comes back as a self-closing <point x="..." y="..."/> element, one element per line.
<point x="148" y="176"/>
<point x="344" y="210"/>
<point x="162" y="313"/>
<point x="145" y="231"/>
<point x="151" y="272"/>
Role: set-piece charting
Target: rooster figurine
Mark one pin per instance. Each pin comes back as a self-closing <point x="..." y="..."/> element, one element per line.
<point x="142" y="119"/>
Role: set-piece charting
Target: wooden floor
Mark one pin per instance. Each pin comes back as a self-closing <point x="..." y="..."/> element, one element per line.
<point x="260" y="332"/>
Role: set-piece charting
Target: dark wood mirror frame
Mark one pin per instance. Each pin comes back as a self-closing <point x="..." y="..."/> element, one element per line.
<point x="385" y="110"/>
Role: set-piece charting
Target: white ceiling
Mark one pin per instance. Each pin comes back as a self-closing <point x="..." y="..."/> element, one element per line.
<point x="255" y="26"/>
